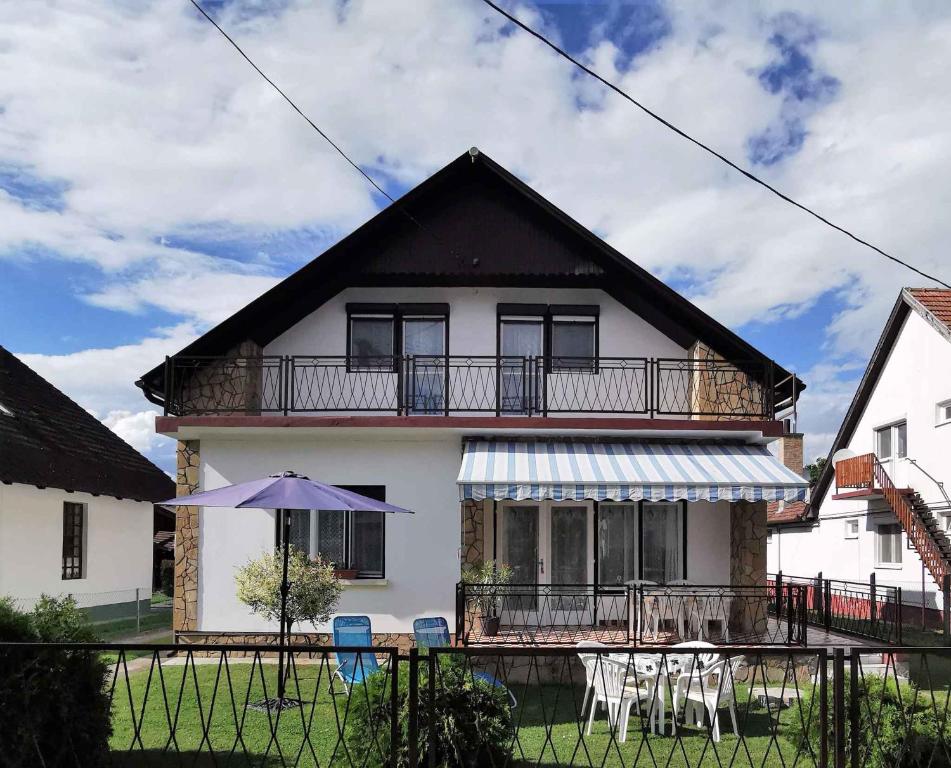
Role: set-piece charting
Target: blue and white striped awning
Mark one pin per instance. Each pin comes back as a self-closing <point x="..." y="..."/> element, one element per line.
<point x="630" y="471"/>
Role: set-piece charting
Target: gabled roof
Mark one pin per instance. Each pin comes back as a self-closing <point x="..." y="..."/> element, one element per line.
<point x="47" y="440"/>
<point x="785" y="512"/>
<point x="934" y="306"/>
<point x="472" y="223"/>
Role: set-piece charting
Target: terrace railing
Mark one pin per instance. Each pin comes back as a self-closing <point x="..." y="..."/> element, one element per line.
<point x="627" y="614"/>
<point x="863" y="609"/>
<point x="472" y="384"/>
<point x="726" y="706"/>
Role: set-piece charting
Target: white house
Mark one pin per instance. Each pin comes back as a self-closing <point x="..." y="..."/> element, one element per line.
<point x="76" y="512"/>
<point x="896" y="433"/>
<point x="473" y="354"/>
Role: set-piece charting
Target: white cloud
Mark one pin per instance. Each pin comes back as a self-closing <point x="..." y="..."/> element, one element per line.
<point x="137" y="429"/>
<point x="157" y="127"/>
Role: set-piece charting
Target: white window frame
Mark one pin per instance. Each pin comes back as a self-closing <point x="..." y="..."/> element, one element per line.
<point x="879" y="563"/>
<point x="849" y="523"/>
<point x="892" y="429"/>
<point x="942" y="410"/>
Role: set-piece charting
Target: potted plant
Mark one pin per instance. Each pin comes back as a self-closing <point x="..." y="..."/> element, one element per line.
<point x="345" y="574"/>
<point x="489" y="580"/>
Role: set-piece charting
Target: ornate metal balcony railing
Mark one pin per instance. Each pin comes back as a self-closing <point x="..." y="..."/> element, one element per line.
<point x="473" y="384"/>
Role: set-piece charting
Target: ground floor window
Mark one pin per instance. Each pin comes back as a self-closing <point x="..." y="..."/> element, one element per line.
<point x="74" y="539"/>
<point x="350" y="540"/>
<point x="889" y="544"/>
<point x="642" y="541"/>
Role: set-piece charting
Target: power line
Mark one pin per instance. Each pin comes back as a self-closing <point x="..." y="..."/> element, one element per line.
<point x="313" y="125"/>
<point x="706" y="148"/>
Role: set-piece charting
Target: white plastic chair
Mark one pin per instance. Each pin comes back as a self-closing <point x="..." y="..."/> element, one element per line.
<point x="590" y="661"/>
<point x="616" y="687"/>
<point x="705" y="691"/>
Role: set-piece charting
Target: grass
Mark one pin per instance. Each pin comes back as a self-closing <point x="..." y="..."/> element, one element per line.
<point x="113" y="656"/>
<point x="152" y="620"/>
<point x="548" y="731"/>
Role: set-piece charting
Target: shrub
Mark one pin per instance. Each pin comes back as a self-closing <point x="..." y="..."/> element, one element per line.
<point x="54" y="706"/>
<point x="167" y="577"/>
<point x="314" y="590"/>
<point x="900" y="726"/>
<point x="473" y="725"/>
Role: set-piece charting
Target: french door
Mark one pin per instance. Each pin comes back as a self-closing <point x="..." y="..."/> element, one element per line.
<point x="519" y="339"/>
<point x="424" y="343"/>
<point x="547" y="546"/>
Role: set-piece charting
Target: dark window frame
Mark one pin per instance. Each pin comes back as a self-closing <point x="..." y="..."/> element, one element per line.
<point x="396" y="314"/>
<point x="377" y="492"/>
<point x="548" y="314"/>
<point x="74" y="541"/>
<point x="682" y="503"/>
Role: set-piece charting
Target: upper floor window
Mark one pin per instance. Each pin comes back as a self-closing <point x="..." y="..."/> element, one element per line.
<point x="573" y="342"/>
<point x="371" y="341"/>
<point x="943" y="415"/>
<point x="74" y="539"/>
<point x="567" y="334"/>
<point x="891" y="442"/>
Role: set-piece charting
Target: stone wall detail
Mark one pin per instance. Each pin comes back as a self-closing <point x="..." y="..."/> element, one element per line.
<point x="473" y="532"/>
<point x="242" y="381"/>
<point x="718" y="390"/>
<point x="187" y="480"/>
<point x="748" y="564"/>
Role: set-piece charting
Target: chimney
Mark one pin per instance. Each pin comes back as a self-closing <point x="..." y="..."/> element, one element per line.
<point x="790" y="452"/>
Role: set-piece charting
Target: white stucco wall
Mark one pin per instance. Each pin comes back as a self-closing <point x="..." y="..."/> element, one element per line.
<point x="472" y="320"/>
<point x="916" y="377"/>
<point x="422" y="550"/>
<point x="118" y="555"/>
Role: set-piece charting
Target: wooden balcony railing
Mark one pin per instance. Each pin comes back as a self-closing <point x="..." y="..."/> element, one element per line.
<point x="856" y="472"/>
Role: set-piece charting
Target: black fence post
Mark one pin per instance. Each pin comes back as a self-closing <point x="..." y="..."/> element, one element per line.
<point x="824" y="707"/>
<point x="854" y="731"/>
<point x="431" y="682"/>
<point x="460" y="612"/>
<point x="413" y="725"/>
<point x="873" y="600"/>
<point x="804" y="615"/>
<point x="394" y="701"/>
<point x="838" y="705"/>
<point x="789" y="614"/>
<point x="945" y="613"/>
<point x="779" y="594"/>
<point x="899" y="618"/>
<point x="819" y="595"/>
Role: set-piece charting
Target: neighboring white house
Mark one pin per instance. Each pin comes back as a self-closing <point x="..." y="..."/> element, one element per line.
<point x="901" y="413"/>
<point x="478" y="357"/>
<point x="76" y="512"/>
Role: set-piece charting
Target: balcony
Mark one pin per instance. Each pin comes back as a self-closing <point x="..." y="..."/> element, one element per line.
<point x="469" y="385"/>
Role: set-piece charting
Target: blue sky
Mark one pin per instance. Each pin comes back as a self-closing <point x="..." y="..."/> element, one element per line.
<point x="152" y="185"/>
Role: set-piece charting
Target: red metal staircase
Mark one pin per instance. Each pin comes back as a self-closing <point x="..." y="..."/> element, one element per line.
<point x="866" y="473"/>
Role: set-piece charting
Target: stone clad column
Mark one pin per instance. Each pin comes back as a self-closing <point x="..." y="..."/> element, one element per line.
<point x="185" y="601"/>
<point x="748" y="565"/>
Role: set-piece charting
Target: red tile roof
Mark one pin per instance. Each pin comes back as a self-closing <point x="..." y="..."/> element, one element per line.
<point x="778" y="512"/>
<point x="937" y="302"/>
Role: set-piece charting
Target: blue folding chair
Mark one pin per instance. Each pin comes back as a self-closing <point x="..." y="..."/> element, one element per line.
<point x="434" y="633"/>
<point x="353" y="667"/>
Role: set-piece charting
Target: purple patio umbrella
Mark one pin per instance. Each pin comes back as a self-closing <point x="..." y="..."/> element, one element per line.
<point x="282" y="492"/>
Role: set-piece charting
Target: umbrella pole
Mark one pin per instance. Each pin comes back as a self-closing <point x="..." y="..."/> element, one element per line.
<point x="285" y="588"/>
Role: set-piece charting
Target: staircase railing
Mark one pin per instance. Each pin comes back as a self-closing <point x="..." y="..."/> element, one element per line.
<point x="921" y="538"/>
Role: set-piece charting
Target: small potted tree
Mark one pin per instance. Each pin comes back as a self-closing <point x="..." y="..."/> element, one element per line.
<point x="314" y="587"/>
<point x="490" y="581"/>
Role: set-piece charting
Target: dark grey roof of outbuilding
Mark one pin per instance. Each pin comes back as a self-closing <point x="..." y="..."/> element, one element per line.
<point x="49" y="441"/>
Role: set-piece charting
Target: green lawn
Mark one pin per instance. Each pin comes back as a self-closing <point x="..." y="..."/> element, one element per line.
<point x="548" y="731"/>
<point x="113" y="656"/>
<point x="150" y="620"/>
